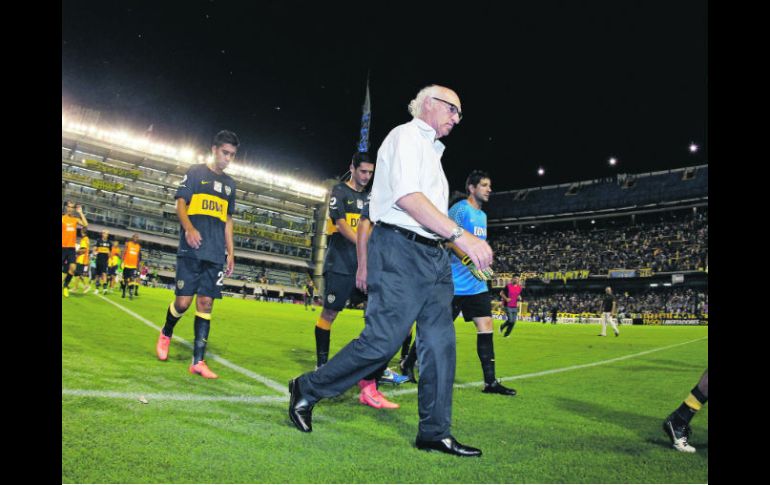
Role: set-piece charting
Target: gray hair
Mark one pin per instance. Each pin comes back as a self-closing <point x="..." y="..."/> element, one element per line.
<point x="415" y="105"/>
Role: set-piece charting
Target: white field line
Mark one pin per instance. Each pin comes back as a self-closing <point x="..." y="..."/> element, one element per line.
<point x="173" y="397"/>
<point x="413" y="390"/>
<point x="282" y="399"/>
<point x="283" y="389"/>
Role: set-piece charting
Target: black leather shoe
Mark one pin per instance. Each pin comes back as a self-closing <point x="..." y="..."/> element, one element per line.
<point x="300" y="410"/>
<point x="497" y="388"/>
<point x="448" y="445"/>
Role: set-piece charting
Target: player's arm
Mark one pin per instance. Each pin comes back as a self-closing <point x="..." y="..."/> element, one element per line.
<point x="83" y="220"/>
<point x="229" y="245"/>
<point x="344" y="228"/>
<point x="362" y="243"/>
<point x="191" y="235"/>
<point x="422" y="210"/>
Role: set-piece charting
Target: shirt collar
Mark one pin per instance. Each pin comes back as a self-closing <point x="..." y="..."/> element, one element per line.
<point x="427" y="132"/>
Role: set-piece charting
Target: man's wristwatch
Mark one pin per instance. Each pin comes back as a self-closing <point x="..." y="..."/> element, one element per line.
<point x="456" y="232"/>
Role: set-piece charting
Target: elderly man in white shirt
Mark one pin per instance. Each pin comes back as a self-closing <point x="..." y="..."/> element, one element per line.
<point x="408" y="275"/>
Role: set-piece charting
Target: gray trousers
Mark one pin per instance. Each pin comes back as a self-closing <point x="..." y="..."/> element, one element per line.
<point x="512" y="314"/>
<point x="407" y="281"/>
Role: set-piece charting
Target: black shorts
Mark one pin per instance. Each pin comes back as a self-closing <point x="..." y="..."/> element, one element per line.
<point x="340" y="287"/>
<point x="112" y="270"/>
<point x="472" y="306"/>
<point x="128" y="273"/>
<point x="67" y="257"/>
<point x="101" y="264"/>
<point x="194" y="276"/>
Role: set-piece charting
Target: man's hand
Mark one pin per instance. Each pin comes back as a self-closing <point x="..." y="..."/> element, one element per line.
<point x="193" y="238"/>
<point x="79" y="209"/>
<point x="230" y="264"/>
<point x="476" y="249"/>
<point x="478" y="274"/>
<point x="361" y="278"/>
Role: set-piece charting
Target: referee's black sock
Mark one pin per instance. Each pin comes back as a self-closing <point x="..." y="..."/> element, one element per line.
<point x="123" y="287"/>
<point x="172" y="317"/>
<point x="67" y="281"/>
<point x="202" y="327"/>
<point x="486" y="350"/>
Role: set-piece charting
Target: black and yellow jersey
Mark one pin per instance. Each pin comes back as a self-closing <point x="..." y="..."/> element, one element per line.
<point x="210" y="199"/>
<point x="347" y="204"/>
<point x="84" y="249"/>
<point x="102" y="248"/>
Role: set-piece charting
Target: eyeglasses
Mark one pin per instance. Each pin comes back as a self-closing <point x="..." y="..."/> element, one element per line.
<point x="452" y="108"/>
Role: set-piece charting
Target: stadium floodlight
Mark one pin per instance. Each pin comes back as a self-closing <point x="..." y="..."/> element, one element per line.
<point x="593" y="221"/>
<point x="613" y="161"/>
<point x="540" y="171"/>
<point x="654" y="285"/>
<point x="189" y="156"/>
<point x="693" y="147"/>
<point x="666" y="284"/>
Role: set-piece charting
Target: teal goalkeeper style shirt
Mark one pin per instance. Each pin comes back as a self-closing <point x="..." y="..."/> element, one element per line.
<point x="474" y="221"/>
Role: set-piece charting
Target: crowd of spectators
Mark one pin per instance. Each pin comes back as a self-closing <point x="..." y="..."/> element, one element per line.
<point x="672" y="243"/>
<point x="666" y="300"/>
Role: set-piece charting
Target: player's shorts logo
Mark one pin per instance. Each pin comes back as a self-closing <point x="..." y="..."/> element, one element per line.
<point x="180" y="284"/>
<point x="330" y="298"/>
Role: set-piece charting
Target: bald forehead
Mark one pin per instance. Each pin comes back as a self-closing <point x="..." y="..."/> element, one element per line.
<point x="449" y="95"/>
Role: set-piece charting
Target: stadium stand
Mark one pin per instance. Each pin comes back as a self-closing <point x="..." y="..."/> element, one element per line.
<point x="127" y="189"/>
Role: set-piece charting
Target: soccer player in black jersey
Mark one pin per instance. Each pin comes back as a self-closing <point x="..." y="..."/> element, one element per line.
<point x="103" y="246"/>
<point x="205" y="203"/>
<point x="345" y="206"/>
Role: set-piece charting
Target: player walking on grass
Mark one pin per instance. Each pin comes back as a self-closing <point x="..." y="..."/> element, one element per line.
<point x="83" y="261"/>
<point x="132" y="256"/>
<point x="205" y="203"/>
<point x="102" y="259"/>
<point x="69" y="234"/>
<point x="471" y="295"/>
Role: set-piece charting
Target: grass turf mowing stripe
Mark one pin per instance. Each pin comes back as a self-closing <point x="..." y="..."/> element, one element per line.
<point x="555" y="371"/>
<point x="264" y="380"/>
<point x="172" y="397"/>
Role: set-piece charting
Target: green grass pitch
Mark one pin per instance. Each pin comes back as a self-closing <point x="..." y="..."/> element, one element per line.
<point x="589" y="409"/>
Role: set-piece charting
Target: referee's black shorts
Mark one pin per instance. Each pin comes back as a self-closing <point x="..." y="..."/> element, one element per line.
<point x="472" y="306"/>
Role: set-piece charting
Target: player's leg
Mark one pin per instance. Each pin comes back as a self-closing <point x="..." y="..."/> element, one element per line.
<point x="677" y="424"/>
<point x="69" y="264"/>
<point x="478" y="308"/>
<point x="210" y="288"/>
<point x="603" y="331"/>
<point x="338" y="289"/>
<point x="614" y="325"/>
<point x="187" y="280"/>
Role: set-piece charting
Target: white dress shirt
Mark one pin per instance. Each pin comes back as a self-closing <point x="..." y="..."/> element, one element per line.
<point x="408" y="161"/>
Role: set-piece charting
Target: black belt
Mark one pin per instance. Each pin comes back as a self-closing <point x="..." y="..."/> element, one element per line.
<point x="412" y="236"/>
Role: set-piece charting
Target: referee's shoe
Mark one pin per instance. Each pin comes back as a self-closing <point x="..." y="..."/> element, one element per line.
<point x="497" y="388"/>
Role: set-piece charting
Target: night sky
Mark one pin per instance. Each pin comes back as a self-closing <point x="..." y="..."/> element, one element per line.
<point x="562" y="85"/>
